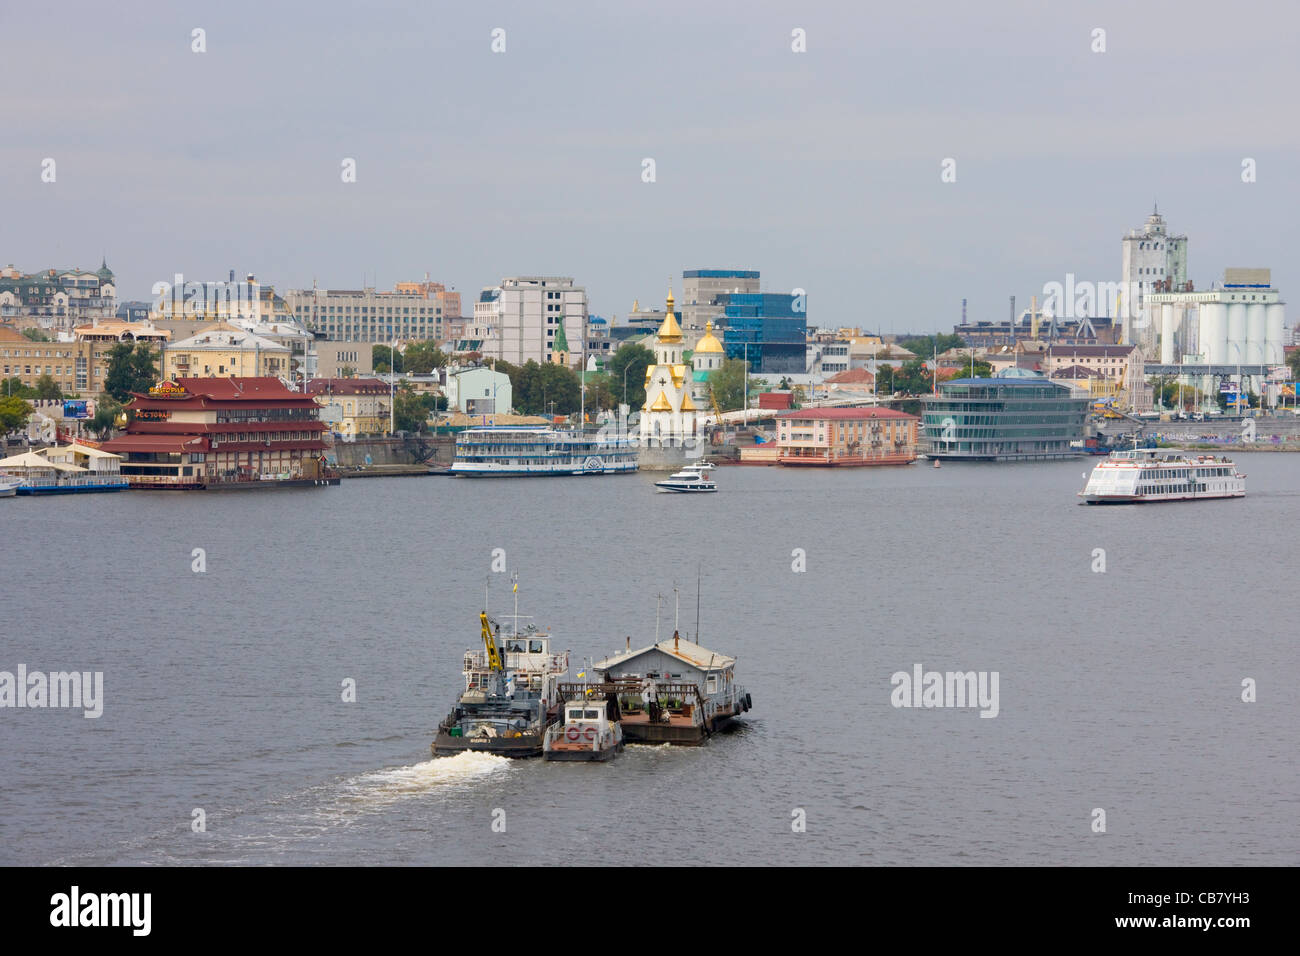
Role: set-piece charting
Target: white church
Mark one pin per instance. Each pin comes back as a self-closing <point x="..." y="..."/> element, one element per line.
<point x="675" y="399"/>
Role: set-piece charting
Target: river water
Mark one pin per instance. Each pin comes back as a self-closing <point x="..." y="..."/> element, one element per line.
<point x="1118" y="690"/>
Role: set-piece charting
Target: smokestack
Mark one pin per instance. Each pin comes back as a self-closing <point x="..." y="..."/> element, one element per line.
<point x="232" y="276"/>
<point x="963" y="311"/>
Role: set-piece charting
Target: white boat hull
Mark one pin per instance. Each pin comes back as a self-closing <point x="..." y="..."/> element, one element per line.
<point x="673" y="487"/>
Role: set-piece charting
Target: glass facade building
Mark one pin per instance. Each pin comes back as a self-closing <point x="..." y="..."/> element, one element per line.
<point x="771" y="328"/>
<point x="1008" y="418"/>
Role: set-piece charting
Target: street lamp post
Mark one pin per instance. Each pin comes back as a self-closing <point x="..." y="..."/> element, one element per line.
<point x="745" y="405"/>
<point x="392" y="389"/>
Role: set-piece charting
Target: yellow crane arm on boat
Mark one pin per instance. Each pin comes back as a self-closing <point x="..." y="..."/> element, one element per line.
<point x="493" y="654"/>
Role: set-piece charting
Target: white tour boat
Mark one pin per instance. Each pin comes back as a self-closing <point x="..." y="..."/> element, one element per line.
<point x="1157" y="474"/>
<point x="528" y="450"/>
<point x="692" y="478"/>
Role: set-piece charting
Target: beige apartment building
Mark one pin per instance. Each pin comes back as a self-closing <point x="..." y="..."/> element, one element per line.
<point x="78" y="366"/>
<point x="224" y="351"/>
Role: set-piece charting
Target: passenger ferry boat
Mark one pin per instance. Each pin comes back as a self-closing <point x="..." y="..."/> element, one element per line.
<point x="511" y="694"/>
<point x="521" y="450"/>
<point x="690" y="479"/>
<point x="1153" y="474"/>
<point x="587" y="732"/>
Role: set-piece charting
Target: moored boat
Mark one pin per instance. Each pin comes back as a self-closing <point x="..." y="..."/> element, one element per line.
<point x="1152" y="474"/>
<point x="63" y="470"/>
<point x="533" y="450"/>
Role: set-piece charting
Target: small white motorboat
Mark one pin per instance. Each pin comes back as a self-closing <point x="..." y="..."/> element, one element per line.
<point x="692" y="478"/>
<point x="9" y="486"/>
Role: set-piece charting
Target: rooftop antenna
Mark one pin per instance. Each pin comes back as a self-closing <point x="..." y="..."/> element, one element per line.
<point x="698" y="575"/>
<point x="677" y="608"/>
<point x="659" y="600"/>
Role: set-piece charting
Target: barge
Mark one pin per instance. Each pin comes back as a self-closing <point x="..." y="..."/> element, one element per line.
<point x="672" y="692"/>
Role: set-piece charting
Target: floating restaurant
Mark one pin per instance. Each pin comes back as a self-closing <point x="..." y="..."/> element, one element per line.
<point x="1017" y="415"/>
<point x="64" y="470"/>
<point x="195" y="433"/>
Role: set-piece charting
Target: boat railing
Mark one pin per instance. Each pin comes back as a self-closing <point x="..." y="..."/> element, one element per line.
<point x="523" y="661"/>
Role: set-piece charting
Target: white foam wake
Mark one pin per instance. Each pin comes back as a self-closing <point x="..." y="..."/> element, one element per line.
<point x="430" y="775"/>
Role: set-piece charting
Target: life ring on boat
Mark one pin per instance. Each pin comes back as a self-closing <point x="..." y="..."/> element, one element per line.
<point x="590" y="733"/>
<point x="572" y="733"/>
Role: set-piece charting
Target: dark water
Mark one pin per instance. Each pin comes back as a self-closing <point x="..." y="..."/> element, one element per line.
<point x="1118" y="690"/>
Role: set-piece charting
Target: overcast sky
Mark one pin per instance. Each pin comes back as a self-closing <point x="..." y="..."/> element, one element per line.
<point x="821" y="169"/>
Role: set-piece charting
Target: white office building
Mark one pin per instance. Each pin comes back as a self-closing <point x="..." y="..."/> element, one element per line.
<point x="518" y="319"/>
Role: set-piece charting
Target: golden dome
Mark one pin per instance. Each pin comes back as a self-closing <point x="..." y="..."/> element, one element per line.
<point x="661" y="404"/>
<point x="687" y="404"/>
<point x="670" y="333"/>
<point x="708" y="341"/>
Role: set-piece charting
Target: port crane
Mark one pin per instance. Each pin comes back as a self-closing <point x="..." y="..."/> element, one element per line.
<point x="494" y="661"/>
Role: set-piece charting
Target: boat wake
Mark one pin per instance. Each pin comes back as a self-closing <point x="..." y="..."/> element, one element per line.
<point x="440" y="773"/>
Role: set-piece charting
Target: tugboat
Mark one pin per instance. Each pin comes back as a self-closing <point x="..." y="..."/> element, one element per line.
<point x="511" y="694"/>
<point x="587" y="732"/>
<point x="689" y="479"/>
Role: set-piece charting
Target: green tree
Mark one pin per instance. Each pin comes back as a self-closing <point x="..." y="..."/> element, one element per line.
<point x="14" y="388"/>
<point x="106" y="411"/>
<point x="432" y="402"/>
<point x="927" y="346"/>
<point x="633" y="360"/>
<point x="409" y="413"/>
<point x="421" y="358"/>
<point x="1293" y="360"/>
<point x="728" y="384"/>
<point x="47" y="389"/>
<point x="347" y="371"/>
<point x="37" y="335"/>
<point x="14" y="412"/>
<point x="385" y="359"/>
<point x="914" y="378"/>
<point x="526" y="387"/>
<point x="601" y="391"/>
<point x="561" y="390"/>
<point x="130" y="370"/>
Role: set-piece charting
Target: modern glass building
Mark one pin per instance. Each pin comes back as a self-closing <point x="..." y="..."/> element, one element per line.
<point x="1016" y="416"/>
<point x="771" y="328"/>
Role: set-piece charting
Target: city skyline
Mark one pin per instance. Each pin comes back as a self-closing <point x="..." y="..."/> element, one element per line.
<point x="821" y="169"/>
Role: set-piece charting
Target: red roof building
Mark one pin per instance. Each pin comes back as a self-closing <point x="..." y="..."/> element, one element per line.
<point x="206" y="432"/>
<point x="846" y="436"/>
